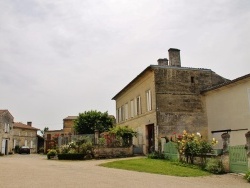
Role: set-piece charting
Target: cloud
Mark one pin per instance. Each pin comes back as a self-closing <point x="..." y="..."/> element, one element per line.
<point x="59" y="58"/>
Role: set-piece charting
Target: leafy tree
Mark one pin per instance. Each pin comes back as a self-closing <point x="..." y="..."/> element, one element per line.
<point x="44" y="130"/>
<point x="89" y="121"/>
<point x="125" y="132"/>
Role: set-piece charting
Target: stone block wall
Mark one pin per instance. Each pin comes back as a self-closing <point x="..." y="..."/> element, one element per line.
<point x="179" y="103"/>
<point x="105" y="152"/>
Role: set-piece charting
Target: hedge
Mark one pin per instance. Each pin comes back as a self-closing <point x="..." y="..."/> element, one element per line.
<point x="71" y="156"/>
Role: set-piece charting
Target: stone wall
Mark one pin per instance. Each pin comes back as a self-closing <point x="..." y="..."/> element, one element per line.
<point x="178" y="100"/>
<point x="104" y="152"/>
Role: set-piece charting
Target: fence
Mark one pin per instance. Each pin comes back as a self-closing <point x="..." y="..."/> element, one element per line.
<point x="63" y="140"/>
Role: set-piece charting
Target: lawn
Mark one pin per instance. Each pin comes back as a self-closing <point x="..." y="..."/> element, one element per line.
<point x="156" y="166"/>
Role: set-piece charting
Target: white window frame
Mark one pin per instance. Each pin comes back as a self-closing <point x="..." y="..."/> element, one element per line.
<point x="149" y="100"/>
<point x="25" y="142"/>
<point x="126" y="111"/>
<point x="120" y="114"/>
<point x="132" y="108"/>
<point x="31" y="144"/>
<point x="138" y="105"/>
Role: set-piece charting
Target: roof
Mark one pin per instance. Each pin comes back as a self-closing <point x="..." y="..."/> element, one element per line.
<point x="23" y="126"/>
<point x="70" y="118"/>
<point x="239" y="79"/>
<point x="61" y="130"/>
<point x="4" y="111"/>
<point x="152" y="67"/>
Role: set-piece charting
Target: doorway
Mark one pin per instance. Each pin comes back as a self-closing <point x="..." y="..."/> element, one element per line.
<point x="151" y="138"/>
<point x="5" y="146"/>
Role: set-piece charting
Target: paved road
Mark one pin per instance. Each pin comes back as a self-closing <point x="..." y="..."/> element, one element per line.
<point x="35" y="171"/>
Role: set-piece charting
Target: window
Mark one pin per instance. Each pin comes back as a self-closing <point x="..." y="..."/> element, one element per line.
<point x="126" y="111"/>
<point x="132" y="108"/>
<point x="25" y="142"/>
<point x="26" y="134"/>
<point x="48" y="136"/>
<point x="14" y="145"/>
<point x="122" y="113"/>
<point x="31" y="144"/>
<point x="138" y="105"/>
<point x="149" y="100"/>
<point x="5" y="127"/>
<point x="192" y="79"/>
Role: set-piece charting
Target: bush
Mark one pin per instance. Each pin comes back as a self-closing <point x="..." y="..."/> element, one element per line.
<point x="51" y="153"/>
<point x="16" y="149"/>
<point x="71" y="156"/>
<point x="41" y="150"/>
<point x="214" y="166"/>
<point x="156" y="155"/>
<point x="247" y="176"/>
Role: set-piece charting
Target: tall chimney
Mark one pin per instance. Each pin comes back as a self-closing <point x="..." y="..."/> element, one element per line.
<point x="163" y="62"/>
<point x="174" y="57"/>
<point x="29" y="123"/>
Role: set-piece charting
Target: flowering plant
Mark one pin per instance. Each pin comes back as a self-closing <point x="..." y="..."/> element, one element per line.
<point x="191" y="145"/>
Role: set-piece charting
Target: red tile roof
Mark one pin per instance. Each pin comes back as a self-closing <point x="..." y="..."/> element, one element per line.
<point x="23" y="126"/>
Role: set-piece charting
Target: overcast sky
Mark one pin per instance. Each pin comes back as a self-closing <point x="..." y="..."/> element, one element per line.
<point x="62" y="57"/>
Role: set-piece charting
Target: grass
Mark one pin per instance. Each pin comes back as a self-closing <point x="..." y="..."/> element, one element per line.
<point x="157" y="166"/>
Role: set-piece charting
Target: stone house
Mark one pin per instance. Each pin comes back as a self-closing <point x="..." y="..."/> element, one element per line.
<point x="68" y="124"/>
<point x="51" y="136"/>
<point x="165" y="99"/>
<point x="25" y="135"/>
<point x="228" y="111"/>
<point x="6" y="125"/>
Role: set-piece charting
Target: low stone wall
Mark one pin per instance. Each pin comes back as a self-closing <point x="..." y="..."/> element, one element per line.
<point x="104" y="152"/>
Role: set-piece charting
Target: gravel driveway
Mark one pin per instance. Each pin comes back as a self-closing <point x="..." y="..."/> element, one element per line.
<point x="35" y="171"/>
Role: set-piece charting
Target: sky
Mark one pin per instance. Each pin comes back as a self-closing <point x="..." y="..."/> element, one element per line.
<point x="60" y="58"/>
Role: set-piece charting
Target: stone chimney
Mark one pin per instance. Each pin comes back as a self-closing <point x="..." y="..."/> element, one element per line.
<point x="29" y="123"/>
<point x="174" y="57"/>
<point x="163" y="62"/>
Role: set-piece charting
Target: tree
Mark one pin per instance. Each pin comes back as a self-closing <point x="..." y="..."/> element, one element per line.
<point x="44" y="130"/>
<point x="89" y="121"/>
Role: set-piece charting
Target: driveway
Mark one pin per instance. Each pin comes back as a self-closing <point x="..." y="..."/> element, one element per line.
<point x="35" y="171"/>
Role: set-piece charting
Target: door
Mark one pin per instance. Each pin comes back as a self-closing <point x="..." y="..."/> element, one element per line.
<point x="5" y="146"/>
<point x="151" y="138"/>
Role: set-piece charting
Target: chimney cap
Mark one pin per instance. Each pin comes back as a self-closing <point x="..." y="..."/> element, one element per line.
<point x="162" y="59"/>
<point x="173" y="49"/>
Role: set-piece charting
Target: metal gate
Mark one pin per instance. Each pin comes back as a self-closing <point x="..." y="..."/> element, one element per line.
<point x="171" y="151"/>
<point x="238" y="160"/>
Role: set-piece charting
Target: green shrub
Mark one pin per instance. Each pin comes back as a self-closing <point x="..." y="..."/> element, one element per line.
<point x="51" y="153"/>
<point x="247" y="176"/>
<point x="16" y="149"/>
<point x="214" y="166"/>
<point x="156" y="155"/>
<point x="41" y="150"/>
<point x="71" y="156"/>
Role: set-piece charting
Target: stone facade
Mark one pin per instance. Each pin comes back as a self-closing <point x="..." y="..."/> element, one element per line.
<point x="68" y="124"/>
<point x="25" y="135"/>
<point x="180" y="105"/>
<point x="6" y="128"/>
<point x="175" y="99"/>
